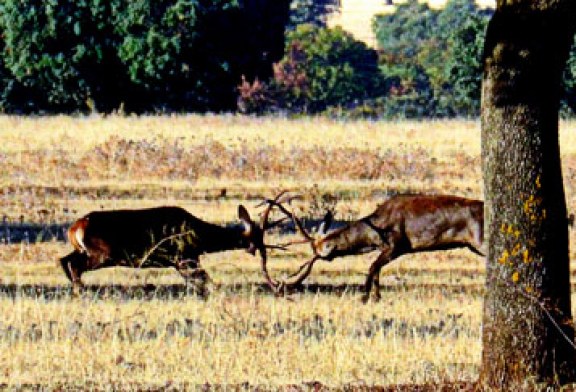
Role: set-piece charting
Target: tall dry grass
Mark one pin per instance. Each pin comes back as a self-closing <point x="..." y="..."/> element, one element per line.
<point x="64" y="163"/>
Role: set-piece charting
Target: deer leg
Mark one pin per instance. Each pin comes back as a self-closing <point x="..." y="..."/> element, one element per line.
<point x="194" y="276"/>
<point x="65" y="261"/>
<point x="373" y="277"/>
<point x="74" y="265"/>
<point x="376" y="286"/>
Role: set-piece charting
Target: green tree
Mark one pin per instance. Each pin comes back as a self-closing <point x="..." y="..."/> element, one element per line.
<point x="410" y="94"/>
<point x="191" y="54"/>
<point x="326" y="67"/>
<point x="402" y="34"/>
<point x="156" y="38"/>
<point x="417" y="37"/>
<point x="464" y="66"/>
<point x="65" y="55"/>
<point x="59" y="52"/>
<point x="568" y="103"/>
<point x="313" y="12"/>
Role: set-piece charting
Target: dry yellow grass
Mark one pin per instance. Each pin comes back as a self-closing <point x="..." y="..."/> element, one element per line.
<point x="61" y="162"/>
<point x="137" y="329"/>
<point x="79" y="164"/>
<point x="239" y="337"/>
<point x="80" y="134"/>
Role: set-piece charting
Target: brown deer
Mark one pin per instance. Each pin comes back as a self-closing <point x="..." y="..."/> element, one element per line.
<point x="157" y="237"/>
<point x="401" y="225"/>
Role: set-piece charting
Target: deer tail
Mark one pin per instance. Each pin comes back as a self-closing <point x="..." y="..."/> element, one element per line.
<point x="76" y="235"/>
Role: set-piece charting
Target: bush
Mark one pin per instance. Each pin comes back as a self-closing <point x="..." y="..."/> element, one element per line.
<point x="321" y="68"/>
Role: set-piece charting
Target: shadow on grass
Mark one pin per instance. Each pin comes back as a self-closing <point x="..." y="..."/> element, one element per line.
<point x="169" y="292"/>
<point x="455" y="386"/>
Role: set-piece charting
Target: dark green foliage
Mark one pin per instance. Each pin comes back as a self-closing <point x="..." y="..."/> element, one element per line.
<point x="411" y="94"/>
<point x="321" y="68"/>
<point x="568" y="103"/>
<point x="59" y="53"/>
<point x="436" y="56"/>
<point x="144" y="55"/>
<point x="336" y="69"/>
<point x="191" y="55"/>
<point x="465" y="66"/>
<point x="165" y="49"/>
<point x="402" y="34"/>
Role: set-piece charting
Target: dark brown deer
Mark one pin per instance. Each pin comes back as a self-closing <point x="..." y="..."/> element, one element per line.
<point x="401" y="225"/>
<point x="157" y="237"/>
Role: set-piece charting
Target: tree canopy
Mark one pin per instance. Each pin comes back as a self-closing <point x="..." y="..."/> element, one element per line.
<point x="199" y="55"/>
<point x="151" y="56"/>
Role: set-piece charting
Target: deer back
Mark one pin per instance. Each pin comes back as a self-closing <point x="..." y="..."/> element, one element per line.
<point x="158" y="232"/>
<point x="432" y="222"/>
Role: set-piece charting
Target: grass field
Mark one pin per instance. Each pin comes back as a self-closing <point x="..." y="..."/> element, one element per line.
<point x="138" y="330"/>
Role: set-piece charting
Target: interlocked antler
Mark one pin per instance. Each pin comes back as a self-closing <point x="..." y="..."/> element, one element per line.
<point x="298" y="277"/>
<point x="297" y="223"/>
<point x="282" y="197"/>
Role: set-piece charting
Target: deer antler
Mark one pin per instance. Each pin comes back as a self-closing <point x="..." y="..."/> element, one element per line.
<point x="264" y="224"/>
<point x="306" y="268"/>
<point x="289" y="214"/>
<point x="282" y="197"/>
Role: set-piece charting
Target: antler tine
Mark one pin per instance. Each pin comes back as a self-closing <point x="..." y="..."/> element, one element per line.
<point x="283" y="197"/>
<point x="264" y="219"/>
<point x="277" y="246"/>
<point x="297" y="273"/>
<point x="295" y="219"/>
<point x="299" y="276"/>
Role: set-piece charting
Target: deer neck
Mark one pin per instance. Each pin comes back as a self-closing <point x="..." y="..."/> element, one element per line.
<point x="217" y="238"/>
<point x="359" y="237"/>
<point x="336" y="243"/>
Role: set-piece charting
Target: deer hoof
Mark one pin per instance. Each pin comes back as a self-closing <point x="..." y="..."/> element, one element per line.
<point x="77" y="289"/>
<point x="200" y="292"/>
<point x="368" y="298"/>
<point x="280" y="289"/>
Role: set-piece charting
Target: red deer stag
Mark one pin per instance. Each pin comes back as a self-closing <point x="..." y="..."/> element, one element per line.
<point x="402" y="224"/>
<point x="157" y="237"/>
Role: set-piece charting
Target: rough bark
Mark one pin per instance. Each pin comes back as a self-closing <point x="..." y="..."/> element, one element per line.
<point x="528" y="332"/>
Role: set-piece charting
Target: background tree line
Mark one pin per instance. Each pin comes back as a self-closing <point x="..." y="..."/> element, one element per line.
<point x="255" y="56"/>
<point x="142" y="55"/>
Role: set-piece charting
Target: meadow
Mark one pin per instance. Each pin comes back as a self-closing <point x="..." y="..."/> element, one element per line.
<point x="139" y="329"/>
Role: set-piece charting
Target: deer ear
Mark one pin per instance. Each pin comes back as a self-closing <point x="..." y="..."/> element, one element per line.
<point x="244" y="217"/>
<point x="326" y="223"/>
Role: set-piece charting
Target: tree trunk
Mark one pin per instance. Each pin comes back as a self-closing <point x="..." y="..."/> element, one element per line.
<point x="528" y="332"/>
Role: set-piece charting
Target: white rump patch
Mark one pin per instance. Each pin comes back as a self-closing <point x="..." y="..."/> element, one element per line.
<point x="79" y="234"/>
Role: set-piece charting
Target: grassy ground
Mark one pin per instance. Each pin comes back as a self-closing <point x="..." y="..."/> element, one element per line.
<point x="138" y="329"/>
